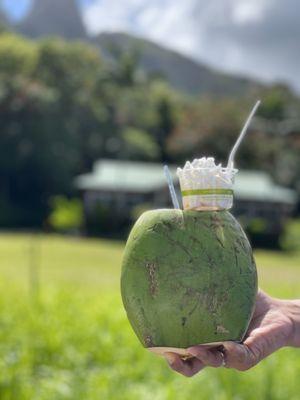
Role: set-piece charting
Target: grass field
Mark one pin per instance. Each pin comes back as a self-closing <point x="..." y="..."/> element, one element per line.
<point x="64" y="334"/>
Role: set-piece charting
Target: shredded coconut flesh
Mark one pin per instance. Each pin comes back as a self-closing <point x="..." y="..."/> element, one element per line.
<point x="205" y="185"/>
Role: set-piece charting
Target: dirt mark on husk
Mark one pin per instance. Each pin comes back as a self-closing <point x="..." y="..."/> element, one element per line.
<point x="151" y="268"/>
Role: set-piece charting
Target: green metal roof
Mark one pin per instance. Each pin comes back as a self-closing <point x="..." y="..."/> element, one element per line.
<point x="141" y="177"/>
<point x="257" y="185"/>
<point x="124" y="176"/>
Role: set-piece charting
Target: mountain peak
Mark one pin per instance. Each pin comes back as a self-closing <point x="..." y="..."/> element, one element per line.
<point x="53" y="17"/>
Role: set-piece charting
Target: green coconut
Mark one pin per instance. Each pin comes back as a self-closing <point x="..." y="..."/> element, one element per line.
<point x="188" y="278"/>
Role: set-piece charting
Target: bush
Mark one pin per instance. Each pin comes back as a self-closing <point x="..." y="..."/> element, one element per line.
<point x="66" y="215"/>
<point x="291" y="238"/>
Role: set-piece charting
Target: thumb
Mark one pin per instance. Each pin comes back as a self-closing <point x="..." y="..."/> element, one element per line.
<point x="255" y="348"/>
<point x="238" y="356"/>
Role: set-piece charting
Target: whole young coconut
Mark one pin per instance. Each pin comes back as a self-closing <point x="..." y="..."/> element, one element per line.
<point x="188" y="278"/>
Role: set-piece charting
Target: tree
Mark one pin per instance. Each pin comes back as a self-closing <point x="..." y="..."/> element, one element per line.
<point x="47" y="115"/>
<point x="73" y="71"/>
<point x="17" y="56"/>
<point x="28" y="173"/>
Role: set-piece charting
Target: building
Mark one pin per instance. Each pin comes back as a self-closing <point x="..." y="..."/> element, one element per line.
<point x="115" y="192"/>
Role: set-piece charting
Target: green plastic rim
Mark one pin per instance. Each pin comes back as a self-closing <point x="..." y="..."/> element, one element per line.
<point x="197" y="192"/>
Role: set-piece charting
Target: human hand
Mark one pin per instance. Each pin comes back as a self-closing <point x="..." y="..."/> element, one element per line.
<point x="274" y="325"/>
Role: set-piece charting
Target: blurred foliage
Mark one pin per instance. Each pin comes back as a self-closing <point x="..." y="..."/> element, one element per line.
<point x="291" y="239"/>
<point x="139" y="145"/>
<point x="257" y="226"/>
<point x="274" y="106"/>
<point x="66" y="214"/>
<point x="62" y="107"/>
<point x="17" y="56"/>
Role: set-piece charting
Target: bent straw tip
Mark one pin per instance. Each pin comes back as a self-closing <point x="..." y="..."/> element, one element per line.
<point x="230" y="163"/>
<point x="258" y="103"/>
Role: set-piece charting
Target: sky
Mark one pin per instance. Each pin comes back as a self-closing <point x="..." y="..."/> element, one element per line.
<point x="259" y="38"/>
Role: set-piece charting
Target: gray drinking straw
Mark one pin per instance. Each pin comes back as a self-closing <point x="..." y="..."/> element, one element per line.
<point x="171" y="187"/>
<point x="242" y="135"/>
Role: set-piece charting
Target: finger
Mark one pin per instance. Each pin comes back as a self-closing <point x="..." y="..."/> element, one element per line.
<point x="187" y="368"/>
<point x="239" y="356"/>
<point x="262" y="343"/>
<point x="210" y="357"/>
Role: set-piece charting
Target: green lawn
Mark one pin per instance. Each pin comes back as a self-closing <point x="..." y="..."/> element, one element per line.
<point x="64" y="334"/>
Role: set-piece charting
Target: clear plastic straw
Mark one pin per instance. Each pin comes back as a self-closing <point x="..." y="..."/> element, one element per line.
<point x="171" y="187"/>
<point x="242" y="135"/>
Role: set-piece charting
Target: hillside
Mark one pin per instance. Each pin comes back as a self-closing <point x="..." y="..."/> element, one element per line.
<point x="53" y="17"/>
<point x="182" y="72"/>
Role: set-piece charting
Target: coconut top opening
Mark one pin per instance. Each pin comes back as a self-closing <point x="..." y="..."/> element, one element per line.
<point x="206" y="185"/>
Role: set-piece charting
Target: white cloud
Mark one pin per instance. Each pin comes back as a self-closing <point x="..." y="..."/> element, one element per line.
<point x="255" y="37"/>
<point x="248" y="11"/>
<point x="113" y="15"/>
<point x="169" y="25"/>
